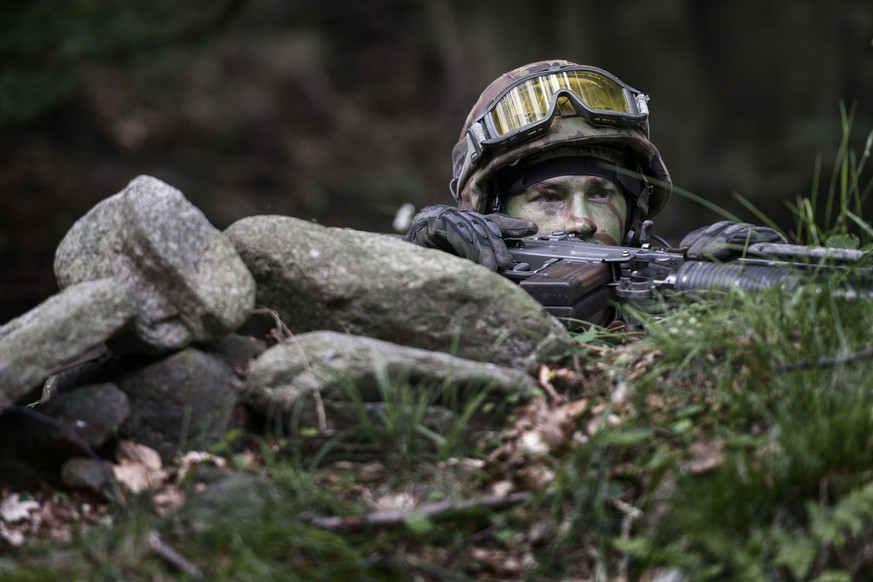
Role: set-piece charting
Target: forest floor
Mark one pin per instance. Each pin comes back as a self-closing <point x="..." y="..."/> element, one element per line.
<point x="729" y="441"/>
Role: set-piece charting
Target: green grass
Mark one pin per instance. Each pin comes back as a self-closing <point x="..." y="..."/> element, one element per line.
<point x="795" y="444"/>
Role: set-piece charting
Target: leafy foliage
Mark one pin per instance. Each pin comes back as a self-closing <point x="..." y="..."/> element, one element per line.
<point x="46" y="47"/>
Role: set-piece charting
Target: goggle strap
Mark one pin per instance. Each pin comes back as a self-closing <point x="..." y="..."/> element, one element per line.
<point x="471" y="153"/>
<point x="475" y="137"/>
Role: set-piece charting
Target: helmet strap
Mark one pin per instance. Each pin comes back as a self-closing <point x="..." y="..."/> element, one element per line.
<point x="639" y="209"/>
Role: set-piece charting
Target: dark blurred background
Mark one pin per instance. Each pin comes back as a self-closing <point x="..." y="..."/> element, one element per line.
<point x="341" y="111"/>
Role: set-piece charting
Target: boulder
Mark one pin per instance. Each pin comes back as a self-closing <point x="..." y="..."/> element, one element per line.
<point x="285" y="383"/>
<point x="179" y="402"/>
<point x="225" y="498"/>
<point x="238" y="351"/>
<point x="184" y="276"/>
<point x="59" y="333"/>
<point x="74" y="423"/>
<point x="95" y="412"/>
<point x="379" y="286"/>
<point x="87" y="473"/>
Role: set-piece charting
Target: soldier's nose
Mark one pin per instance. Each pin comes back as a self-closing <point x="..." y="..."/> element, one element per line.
<point x="581" y="226"/>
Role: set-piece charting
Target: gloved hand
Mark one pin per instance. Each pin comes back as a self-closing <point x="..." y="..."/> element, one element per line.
<point x="468" y="234"/>
<point x="725" y="240"/>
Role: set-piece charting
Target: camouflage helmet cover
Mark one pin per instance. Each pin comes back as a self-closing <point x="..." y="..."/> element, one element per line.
<point x="476" y="192"/>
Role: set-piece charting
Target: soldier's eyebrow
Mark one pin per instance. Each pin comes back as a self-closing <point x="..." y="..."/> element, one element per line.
<point x="601" y="181"/>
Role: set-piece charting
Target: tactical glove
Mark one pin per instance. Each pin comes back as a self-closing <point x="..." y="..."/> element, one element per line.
<point x="468" y="234"/>
<point x="725" y="240"/>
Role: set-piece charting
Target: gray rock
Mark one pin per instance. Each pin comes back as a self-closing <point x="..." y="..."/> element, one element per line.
<point x="180" y="402"/>
<point x="86" y="473"/>
<point x="16" y="473"/>
<point x="184" y="276"/>
<point x="237" y="350"/>
<point x="284" y="381"/>
<point x="95" y="412"/>
<point x="71" y="424"/>
<point x="59" y="333"/>
<point x="226" y="498"/>
<point x="379" y="286"/>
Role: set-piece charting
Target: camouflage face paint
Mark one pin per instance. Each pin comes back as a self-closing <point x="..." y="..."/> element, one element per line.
<point x="591" y="207"/>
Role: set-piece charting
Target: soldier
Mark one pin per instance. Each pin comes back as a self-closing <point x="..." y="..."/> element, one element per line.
<point x="555" y="146"/>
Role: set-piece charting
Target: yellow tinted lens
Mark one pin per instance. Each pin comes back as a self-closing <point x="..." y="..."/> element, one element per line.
<point x="529" y="101"/>
<point x="597" y="92"/>
<point x="526" y="103"/>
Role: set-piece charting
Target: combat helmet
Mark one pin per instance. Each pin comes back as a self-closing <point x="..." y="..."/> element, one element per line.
<point x="557" y="104"/>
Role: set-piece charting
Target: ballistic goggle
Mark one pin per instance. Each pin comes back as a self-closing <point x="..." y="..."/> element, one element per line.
<point x="525" y="109"/>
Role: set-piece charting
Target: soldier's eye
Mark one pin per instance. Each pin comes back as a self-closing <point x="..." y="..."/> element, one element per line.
<point x="548" y="197"/>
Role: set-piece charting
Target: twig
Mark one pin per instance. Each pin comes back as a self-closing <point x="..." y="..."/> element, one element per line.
<point x="50" y="388"/>
<point x="599" y="350"/>
<point x="631" y="514"/>
<point x="172" y="557"/>
<point x="395" y="517"/>
<point x="826" y="362"/>
<point x="282" y="328"/>
<point x="59" y="378"/>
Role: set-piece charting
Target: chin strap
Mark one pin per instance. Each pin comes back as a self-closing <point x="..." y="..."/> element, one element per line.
<point x="638" y="233"/>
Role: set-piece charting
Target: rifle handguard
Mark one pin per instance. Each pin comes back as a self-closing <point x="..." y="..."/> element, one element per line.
<point x="699" y="275"/>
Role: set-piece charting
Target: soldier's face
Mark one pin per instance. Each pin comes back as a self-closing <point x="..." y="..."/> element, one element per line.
<point x="591" y="207"/>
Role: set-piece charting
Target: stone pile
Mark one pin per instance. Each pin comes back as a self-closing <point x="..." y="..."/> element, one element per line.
<point x="167" y="332"/>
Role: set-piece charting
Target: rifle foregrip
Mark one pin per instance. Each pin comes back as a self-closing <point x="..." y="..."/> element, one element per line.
<point x="700" y="275"/>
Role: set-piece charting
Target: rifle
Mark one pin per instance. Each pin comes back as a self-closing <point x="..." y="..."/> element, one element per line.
<point x="581" y="282"/>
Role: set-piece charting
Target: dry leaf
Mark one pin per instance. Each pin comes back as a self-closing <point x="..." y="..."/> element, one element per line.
<point x="137" y="477"/>
<point x="168" y="501"/>
<point x="394" y="500"/>
<point x="14" y="509"/>
<point x="193" y="458"/>
<point x="13" y="537"/>
<point x="139" y="467"/>
<point x="541" y="430"/>
<point x="705" y="456"/>
<point x="502" y="488"/>
<point x="138" y="453"/>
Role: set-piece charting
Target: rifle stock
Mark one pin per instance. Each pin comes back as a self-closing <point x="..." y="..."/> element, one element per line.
<point x="582" y="282"/>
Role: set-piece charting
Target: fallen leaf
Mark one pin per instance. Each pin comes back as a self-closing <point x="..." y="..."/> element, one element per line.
<point x="193" y="458"/>
<point x="138" y="453"/>
<point x="138" y="477"/>
<point x="139" y="467"/>
<point x="542" y="430"/>
<point x="168" y="501"/>
<point x="705" y="456"/>
<point x="14" y="509"/>
<point x="13" y="537"/>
